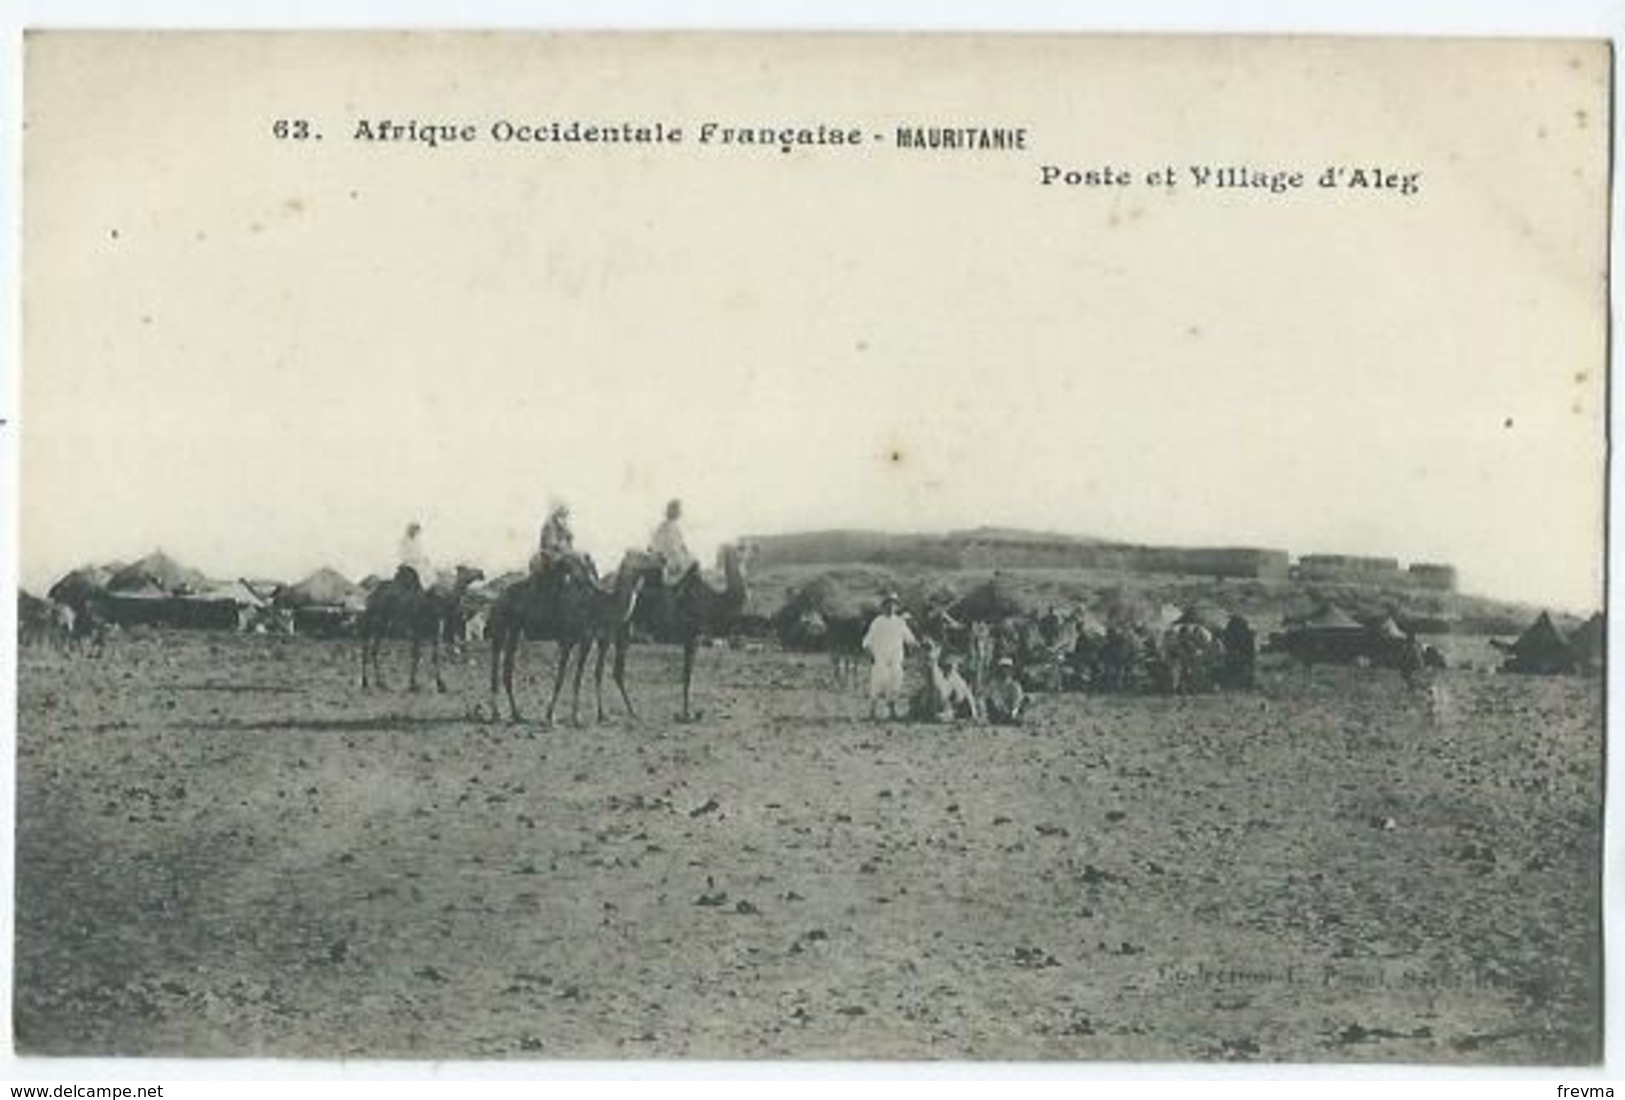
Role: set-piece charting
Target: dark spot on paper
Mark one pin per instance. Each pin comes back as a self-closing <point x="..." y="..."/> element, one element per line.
<point x="146" y="318"/>
<point x="862" y="345"/>
<point x="294" y="206"/>
<point x="1194" y="331"/>
<point x="202" y="236"/>
<point x="895" y="457"/>
<point x="1582" y="118"/>
<point x="113" y="234"/>
<point x="1580" y="376"/>
<point x="1507" y="423"/>
<point x="355" y="194"/>
<point x="255" y="227"/>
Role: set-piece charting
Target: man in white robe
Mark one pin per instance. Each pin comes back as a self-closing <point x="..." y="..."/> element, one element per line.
<point x="887" y="641"/>
<point x="668" y="545"/>
<point x="411" y="556"/>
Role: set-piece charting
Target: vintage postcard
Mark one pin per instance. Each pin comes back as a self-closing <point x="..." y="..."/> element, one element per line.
<point x="977" y="547"/>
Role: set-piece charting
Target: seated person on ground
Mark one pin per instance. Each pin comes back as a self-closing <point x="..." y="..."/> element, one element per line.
<point x="1006" y="700"/>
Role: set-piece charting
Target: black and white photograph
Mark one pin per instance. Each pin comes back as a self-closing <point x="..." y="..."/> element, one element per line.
<point x="796" y="547"/>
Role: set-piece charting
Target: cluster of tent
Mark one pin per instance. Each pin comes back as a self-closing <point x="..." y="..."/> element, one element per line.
<point x="1544" y="650"/>
<point x="829" y="611"/>
<point x="1054" y="642"/>
<point x="159" y="591"/>
<point x="1331" y="635"/>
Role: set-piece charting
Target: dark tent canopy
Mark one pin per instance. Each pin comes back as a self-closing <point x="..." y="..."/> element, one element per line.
<point x="1387" y="629"/>
<point x="1589" y="642"/>
<point x="838" y="594"/>
<point x="995" y="600"/>
<point x="33" y="617"/>
<point x="1541" y="650"/>
<point x="1329" y="619"/>
<point x="323" y="588"/>
<point x="1332" y="636"/>
<point x="157" y="571"/>
<point x="82" y="585"/>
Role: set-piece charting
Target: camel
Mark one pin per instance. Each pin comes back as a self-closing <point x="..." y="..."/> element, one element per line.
<point x="524" y="608"/>
<point x="592" y="618"/>
<point x="396" y="606"/>
<point x="930" y="703"/>
<point x="580" y="614"/>
<point x="692" y="610"/>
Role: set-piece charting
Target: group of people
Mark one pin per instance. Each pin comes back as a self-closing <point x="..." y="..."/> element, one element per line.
<point x="945" y="695"/>
<point x="556" y="553"/>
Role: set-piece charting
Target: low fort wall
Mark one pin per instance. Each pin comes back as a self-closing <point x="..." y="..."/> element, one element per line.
<point x="979" y="550"/>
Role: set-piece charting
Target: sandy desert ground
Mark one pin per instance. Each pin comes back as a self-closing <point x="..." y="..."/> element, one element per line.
<point x="226" y="849"/>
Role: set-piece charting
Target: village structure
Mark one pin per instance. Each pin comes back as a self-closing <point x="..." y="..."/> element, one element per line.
<point x="1064" y="605"/>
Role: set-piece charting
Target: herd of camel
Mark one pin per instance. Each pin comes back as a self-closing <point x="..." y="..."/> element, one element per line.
<point x="585" y="615"/>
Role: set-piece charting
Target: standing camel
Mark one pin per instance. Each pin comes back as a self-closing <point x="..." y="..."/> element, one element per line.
<point x="396" y="607"/>
<point x="692" y="610"/>
<point x="590" y="617"/>
<point x="576" y="612"/>
<point x="525" y="608"/>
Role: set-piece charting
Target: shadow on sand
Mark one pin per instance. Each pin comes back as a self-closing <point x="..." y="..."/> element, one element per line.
<point x="358" y="724"/>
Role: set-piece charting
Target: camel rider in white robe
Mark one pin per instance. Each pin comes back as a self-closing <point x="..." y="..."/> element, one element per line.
<point x="412" y="562"/>
<point x="667" y="544"/>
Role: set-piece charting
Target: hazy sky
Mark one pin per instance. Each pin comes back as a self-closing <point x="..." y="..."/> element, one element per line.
<point x="268" y="355"/>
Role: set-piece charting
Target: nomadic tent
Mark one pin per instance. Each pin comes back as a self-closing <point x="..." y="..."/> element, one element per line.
<point x="141" y="601"/>
<point x="324" y="604"/>
<point x="839" y="594"/>
<point x="1388" y="630"/>
<point x="157" y="571"/>
<point x="217" y="605"/>
<point x="237" y="593"/>
<point x="33" y="618"/>
<point x="1331" y="636"/>
<point x="1331" y="619"/>
<point x="927" y="593"/>
<point x="830" y="606"/>
<point x="82" y="585"/>
<point x="1540" y="650"/>
<point x="323" y="588"/>
<point x="996" y="599"/>
<point x="1589" y="642"/>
